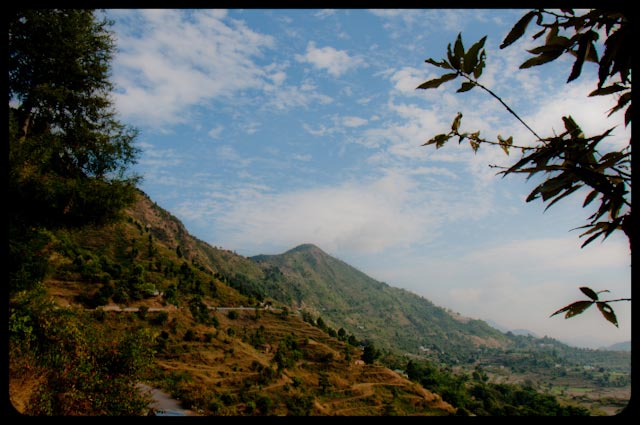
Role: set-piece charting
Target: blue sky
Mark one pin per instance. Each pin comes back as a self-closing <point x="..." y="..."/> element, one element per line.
<point x="263" y="129"/>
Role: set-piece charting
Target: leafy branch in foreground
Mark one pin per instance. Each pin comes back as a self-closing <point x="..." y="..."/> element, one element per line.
<point x="569" y="161"/>
<point x="579" y="307"/>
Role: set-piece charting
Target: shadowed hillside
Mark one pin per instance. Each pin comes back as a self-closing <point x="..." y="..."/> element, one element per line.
<point x="289" y="334"/>
<point x="394" y="318"/>
<point x="218" y="347"/>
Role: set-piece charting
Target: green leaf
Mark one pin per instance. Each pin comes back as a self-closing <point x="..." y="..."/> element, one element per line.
<point x="614" y="88"/>
<point x="622" y="101"/>
<point x="571" y="126"/>
<point x="584" y="44"/>
<point x="577" y="308"/>
<point x="574" y="309"/>
<point x="477" y="71"/>
<point x="436" y="82"/>
<point x="541" y="59"/>
<point x="456" y="122"/>
<point x="458" y="48"/>
<point x="559" y="41"/>
<point x="592" y="53"/>
<point x="466" y="86"/>
<point x="471" y="57"/>
<point x="563" y="195"/>
<point x="553" y="33"/>
<point x="539" y="33"/>
<point x="611" y="159"/>
<point x="551" y="187"/>
<point x="627" y="117"/>
<point x="453" y="59"/>
<point x="593" y="237"/>
<point x="518" y="29"/>
<point x="442" y="64"/>
<point x="547" y="48"/>
<point x="607" y="312"/>
<point x="589" y="293"/>
<point x="505" y="144"/>
<point x="438" y="140"/>
<point x="590" y="197"/>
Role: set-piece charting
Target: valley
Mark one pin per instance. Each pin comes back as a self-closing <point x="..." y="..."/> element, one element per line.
<point x="300" y="333"/>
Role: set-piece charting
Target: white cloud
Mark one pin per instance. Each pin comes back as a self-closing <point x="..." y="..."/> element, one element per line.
<point x="170" y="60"/>
<point x="155" y="158"/>
<point x="250" y="128"/>
<point x="302" y="157"/>
<point x="519" y="284"/>
<point x="408" y="78"/>
<point x="215" y="132"/>
<point x="286" y="98"/>
<point x="554" y="254"/>
<point x="320" y="131"/>
<point x="335" y="62"/>
<point x="325" y="13"/>
<point x="227" y="153"/>
<point x="368" y="216"/>
<point x="353" y="121"/>
<point x="590" y="113"/>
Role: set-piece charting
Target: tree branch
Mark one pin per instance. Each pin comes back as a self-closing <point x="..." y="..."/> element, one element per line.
<point x="511" y="111"/>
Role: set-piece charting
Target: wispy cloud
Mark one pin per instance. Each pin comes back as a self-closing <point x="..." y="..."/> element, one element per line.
<point x="335" y="62"/>
<point x="288" y="97"/>
<point x="215" y="132"/>
<point x="170" y="60"/>
<point x="354" y="216"/>
<point x="325" y="13"/>
<point x="354" y="121"/>
<point x="531" y="277"/>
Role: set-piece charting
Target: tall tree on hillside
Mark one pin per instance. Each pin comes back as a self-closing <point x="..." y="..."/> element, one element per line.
<point x="569" y="161"/>
<point x="68" y="154"/>
<point x="68" y="166"/>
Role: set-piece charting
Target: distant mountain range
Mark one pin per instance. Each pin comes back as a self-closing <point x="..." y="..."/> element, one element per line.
<point x="501" y="328"/>
<point x="344" y="297"/>
<point x="620" y="346"/>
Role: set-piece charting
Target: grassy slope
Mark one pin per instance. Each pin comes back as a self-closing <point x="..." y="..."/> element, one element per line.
<point x="225" y="367"/>
<point x="391" y="317"/>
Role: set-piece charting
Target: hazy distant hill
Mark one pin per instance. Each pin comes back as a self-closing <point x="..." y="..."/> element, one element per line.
<point x="504" y="329"/>
<point x="394" y="318"/>
<point x="620" y="346"/>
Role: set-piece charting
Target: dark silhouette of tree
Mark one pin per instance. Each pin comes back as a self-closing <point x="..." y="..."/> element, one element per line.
<point x="69" y="161"/>
<point x="370" y="353"/>
<point x="69" y="155"/>
<point x="569" y="161"/>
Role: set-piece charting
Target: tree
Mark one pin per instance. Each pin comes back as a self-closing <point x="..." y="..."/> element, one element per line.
<point x="69" y="161"/>
<point x="370" y="353"/>
<point x="569" y="161"/>
<point x="68" y="154"/>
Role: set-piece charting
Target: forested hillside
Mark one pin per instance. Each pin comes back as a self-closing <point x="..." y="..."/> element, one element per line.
<point x="394" y="318"/>
<point x="140" y="300"/>
<point x="150" y="303"/>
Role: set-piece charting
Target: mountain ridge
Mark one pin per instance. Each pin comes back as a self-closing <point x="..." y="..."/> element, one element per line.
<point x="347" y="297"/>
<point x="219" y="347"/>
